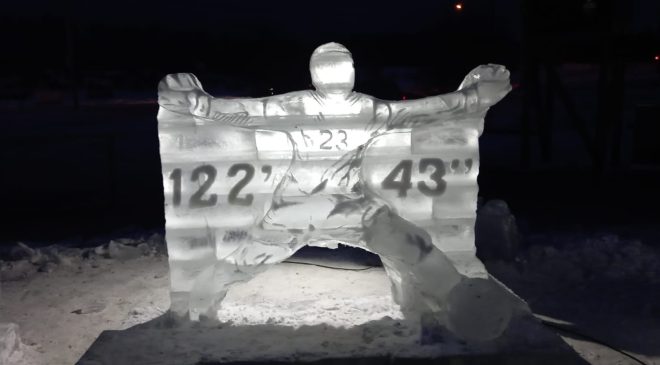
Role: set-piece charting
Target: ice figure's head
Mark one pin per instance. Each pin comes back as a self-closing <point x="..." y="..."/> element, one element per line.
<point x="332" y="69"/>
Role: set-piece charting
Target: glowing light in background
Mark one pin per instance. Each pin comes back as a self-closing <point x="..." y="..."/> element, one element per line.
<point x="657" y="58"/>
<point x="458" y="6"/>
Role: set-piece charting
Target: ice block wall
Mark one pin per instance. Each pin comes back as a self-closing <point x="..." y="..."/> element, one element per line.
<point x="249" y="181"/>
<point x="219" y="182"/>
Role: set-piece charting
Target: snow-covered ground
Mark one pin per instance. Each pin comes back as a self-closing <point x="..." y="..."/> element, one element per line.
<point x="596" y="284"/>
<point x="61" y="299"/>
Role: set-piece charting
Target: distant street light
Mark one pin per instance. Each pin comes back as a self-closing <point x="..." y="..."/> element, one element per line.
<point x="458" y="6"/>
<point x="657" y="57"/>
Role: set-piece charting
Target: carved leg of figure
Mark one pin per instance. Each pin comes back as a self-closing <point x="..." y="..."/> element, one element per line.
<point x="184" y="274"/>
<point x="421" y="275"/>
<point x="212" y="284"/>
<point x="479" y="309"/>
<point x="191" y="254"/>
<point x="203" y="282"/>
<point x="427" y="286"/>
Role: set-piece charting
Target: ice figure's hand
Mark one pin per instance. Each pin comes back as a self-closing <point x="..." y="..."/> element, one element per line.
<point x="183" y="93"/>
<point x="491" y="82"/>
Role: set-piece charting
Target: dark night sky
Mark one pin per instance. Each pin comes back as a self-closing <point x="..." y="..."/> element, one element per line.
<point x="160" y="36"/>
<point x="299" y="17"/>
<point x="110" y="28"/>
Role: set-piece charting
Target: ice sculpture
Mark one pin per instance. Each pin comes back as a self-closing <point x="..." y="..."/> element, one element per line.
<point x="249" y="181"/>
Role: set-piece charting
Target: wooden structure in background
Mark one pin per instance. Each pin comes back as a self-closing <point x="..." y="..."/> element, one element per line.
<point x="588" y="32"/>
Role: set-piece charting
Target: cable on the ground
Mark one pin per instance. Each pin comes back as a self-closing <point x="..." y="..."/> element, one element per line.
<point x="330" y="267"/>
<point x="547" y="323"/>
<point x="559" y="327"/>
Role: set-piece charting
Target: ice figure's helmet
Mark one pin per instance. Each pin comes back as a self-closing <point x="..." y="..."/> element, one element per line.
<point x="331" y="66"/>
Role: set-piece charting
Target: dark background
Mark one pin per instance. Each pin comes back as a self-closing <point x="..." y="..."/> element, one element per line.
<point x="574" y="146"/>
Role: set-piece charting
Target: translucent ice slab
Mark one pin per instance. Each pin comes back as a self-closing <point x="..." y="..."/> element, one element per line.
<point x="250" y="181"/>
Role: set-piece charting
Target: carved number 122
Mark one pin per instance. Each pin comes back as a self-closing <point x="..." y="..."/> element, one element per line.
<point x="197" y="200"/>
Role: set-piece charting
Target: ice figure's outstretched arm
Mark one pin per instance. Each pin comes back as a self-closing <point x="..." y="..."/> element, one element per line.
<point x="481" y="88"/>
<point x="183" y="93"/>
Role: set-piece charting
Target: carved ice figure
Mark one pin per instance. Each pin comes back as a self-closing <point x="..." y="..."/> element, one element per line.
<point x="250" y="181"/>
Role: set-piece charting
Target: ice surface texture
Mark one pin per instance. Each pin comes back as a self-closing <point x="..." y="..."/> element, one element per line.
<point x="249" y="181"/>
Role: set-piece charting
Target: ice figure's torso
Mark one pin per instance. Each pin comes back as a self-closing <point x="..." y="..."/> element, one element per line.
<point x="325" y="136"/>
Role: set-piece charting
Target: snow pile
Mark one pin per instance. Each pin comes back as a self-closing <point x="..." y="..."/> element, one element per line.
<point x="336" y="312"/>
<point x="10" y="343"/>
<point x="12" y="350"/>
<point x="23" y="261"/>
<point x="127" y="248"/>
<point x="580" y="259"/>
<point x="143" y="313"/>
<point x="592" y="274"/>
<point x="496" y="231"/>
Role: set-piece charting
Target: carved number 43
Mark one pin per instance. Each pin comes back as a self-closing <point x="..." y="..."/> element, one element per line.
<point x="404" y="168"/>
